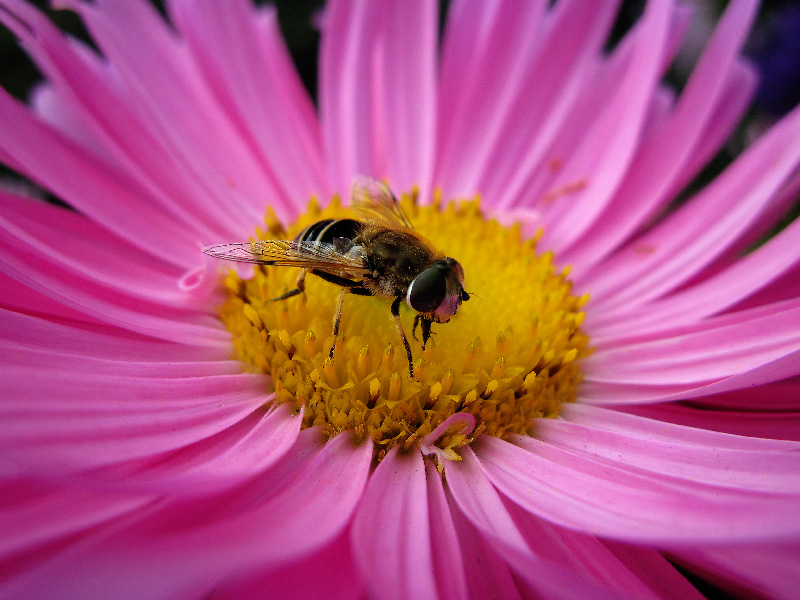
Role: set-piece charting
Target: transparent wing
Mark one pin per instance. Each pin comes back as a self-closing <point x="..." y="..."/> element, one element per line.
<point x="373" y="199"/>
<point x="284" y="253"/>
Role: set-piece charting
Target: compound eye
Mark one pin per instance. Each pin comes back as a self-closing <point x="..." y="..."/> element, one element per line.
<point x="428" y="289"/>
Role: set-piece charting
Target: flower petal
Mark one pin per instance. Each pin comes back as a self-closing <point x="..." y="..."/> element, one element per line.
<point x="97" y="189"/>
<point x="602" y="172"/>
<point x="87" y="250"/>
<point x="650" y="181"/>
<point x="188" y="548"/>
<point x="694" y="235"/>
<point x="34" y="515"/>
<point x="489" y="574"/>
<point x="775" y="259"/>
<point x="776" y="425"/>
<point x="141" y="143"/>
<point x="619" y="502"/>
<point x="592" y="568"/>
<point x="328" y="573"/>
<point x="448" y="566"/>
<point x="207" y="165"/>
<point x="246" y="66"/>
<point x="405" y="91"/>
<point x="243" y="451"/>
<point x="684" y="453"/>
<point x="391" y="530"/>
<point x="85" y="342"/>
<point x="346" y="109"/>
<point x="82" y="420"/>
<point x="758" y="571"/>
<point x="486" y="53"/>
<point x="711" y="350"/>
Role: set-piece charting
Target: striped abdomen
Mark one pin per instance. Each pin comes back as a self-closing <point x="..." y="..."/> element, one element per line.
<point x="340" y="233"/>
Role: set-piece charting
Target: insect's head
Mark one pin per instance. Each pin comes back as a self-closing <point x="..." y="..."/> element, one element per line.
<point x="438" y="290"/>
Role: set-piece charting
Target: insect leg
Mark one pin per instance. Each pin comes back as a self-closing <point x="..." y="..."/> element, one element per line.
<point x="337" y="318"/>
<point x="399" y="326"/>
<point x="301" y="287"/>
<point x="426" y="331"/>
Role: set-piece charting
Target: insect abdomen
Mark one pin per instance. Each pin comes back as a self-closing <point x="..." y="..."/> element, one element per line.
<point x="328" y="231"/>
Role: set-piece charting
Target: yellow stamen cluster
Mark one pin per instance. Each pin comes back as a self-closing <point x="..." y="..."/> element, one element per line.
<point x="509" y="356"/>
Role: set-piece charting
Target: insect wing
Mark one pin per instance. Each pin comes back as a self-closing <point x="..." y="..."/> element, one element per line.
<point x="283" y="253"/>
<point x="373" y="199"/>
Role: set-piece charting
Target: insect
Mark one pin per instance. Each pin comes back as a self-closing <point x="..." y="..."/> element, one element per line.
<point x="376" y="254"/>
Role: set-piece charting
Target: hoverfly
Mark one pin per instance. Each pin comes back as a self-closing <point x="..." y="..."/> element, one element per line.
<point x="377" y="254"/>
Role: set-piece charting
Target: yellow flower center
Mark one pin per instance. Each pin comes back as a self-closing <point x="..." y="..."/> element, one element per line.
<point x="508" y="356"/>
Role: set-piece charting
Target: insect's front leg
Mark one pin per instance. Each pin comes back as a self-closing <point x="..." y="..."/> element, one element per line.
<point x="399" y="326"/>
<point x="426" y="329"/>
<point x="299" y="289"/>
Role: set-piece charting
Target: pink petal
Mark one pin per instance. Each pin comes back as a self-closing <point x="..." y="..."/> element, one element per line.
<point x="25" y="259"/>
<point x="769" y="372"/>
<point x="654" y="570"/>
<point x="649" y="183"/>
<point x="748" y="464"/>
<point x="677" y="248"/>
<point x="88" y="251"/>
<point x="83" y="181"/>
<point x="489" y="574"/>
<point x="36" y="515"/>
<point x="247" y="68"/>
<point x="365" y="48"/>
<point x="744" y="277"/>
<point x="391" y="530"/>
<point x="244" y="451"/>
<point x="139" y="143"/>
<point x="533" y="577"/>
<point x="757" y="571"/>
<point x="714" y="349"/>
<point x="448" y="566"/>
<point x="204" y="152"/>
<point x="97" y="342"/>
<point x="87" y="419"/>
<point x="603" y="171"/>
<point x="480" y="503"/>
<point x="486" y="53"/>
<point x="662" y="432"/>
<point x="345" y="84"/>
<point x="769" y="425"/>
<point x="23" y="356"/>
<point x="19" y="298"/>
<point x="188" y="548"/>
<point x="592" y="566"/>
<point x="615" y="501"/>
<point x="328" y="573"/>
<point x="405" y="91"/>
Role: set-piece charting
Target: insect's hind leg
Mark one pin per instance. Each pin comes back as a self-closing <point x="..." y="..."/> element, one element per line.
<point x="348" y="287"/>
<point x="299" y="289"/>
<point x="337" y="319"/>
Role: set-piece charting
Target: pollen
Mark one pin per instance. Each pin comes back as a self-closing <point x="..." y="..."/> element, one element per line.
<point x="511" y="355"/>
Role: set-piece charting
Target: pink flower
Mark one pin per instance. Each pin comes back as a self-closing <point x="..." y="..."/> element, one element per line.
<point x="138" y="460"/>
